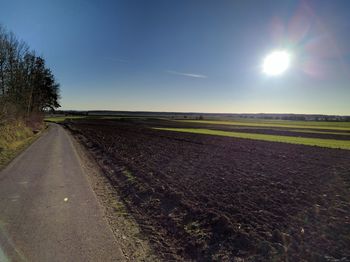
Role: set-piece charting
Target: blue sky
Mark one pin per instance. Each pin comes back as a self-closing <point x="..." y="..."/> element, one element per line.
<point x="198" y="56"/>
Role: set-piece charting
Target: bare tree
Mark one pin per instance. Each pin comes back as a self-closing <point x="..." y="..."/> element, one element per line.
<point x="27" y="86"/>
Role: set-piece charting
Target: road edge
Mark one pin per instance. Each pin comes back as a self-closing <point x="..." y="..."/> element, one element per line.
<point x="127" y="233"/>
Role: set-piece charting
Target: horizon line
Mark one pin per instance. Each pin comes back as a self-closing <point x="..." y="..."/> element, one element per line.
<point x="197" y="112"/>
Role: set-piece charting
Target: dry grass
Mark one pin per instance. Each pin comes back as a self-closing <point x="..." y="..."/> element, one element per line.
<point x="14" y="137"/>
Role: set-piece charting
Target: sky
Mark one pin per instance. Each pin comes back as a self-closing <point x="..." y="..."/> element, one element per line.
<point x="190" y="55"/>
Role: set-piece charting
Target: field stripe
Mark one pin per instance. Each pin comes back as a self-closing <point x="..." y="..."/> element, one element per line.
<point x="316" y="132"/>
<point x="344" y="126"/>
<point x="330" y="143"/>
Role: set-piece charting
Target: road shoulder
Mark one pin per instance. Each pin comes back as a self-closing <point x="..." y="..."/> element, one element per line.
<point x="134" y="245"/>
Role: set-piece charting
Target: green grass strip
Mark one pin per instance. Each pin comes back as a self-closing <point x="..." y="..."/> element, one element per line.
<point x="330" y="143"/>
<point x="289" y="124"/>
<point x="59" y="119"/>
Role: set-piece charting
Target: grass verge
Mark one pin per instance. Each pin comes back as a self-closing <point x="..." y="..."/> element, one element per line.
<point x="330" y="143"/>
<point x="59" y="119"/>
<point x="14" y="138"/>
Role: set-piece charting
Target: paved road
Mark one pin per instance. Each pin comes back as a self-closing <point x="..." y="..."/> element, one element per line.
<point x="48" y="211"/>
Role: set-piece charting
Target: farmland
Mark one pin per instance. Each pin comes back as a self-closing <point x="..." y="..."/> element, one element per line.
<point x="331" y="143"/>
<point x="201" y="194"/>
<point x="279" y="123"/>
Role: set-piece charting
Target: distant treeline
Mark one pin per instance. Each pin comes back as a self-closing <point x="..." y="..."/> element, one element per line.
<point x="27" y="85"/>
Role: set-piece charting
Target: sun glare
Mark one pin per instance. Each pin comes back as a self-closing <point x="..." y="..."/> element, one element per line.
<point x="276" y="63"/>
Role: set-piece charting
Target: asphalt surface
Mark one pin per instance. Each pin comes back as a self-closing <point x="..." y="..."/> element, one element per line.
<point x="48" y="211"/>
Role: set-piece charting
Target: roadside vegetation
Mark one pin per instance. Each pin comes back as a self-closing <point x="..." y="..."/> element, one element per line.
<point x="27" y="90"/>
<point x="15" y="136"/>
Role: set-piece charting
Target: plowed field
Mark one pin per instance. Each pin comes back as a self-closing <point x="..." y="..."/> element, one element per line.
<point x="210" y="198"/>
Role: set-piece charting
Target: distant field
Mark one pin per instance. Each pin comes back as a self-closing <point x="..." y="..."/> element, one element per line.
<point x="319" y="132"/>
<point x="256" y="123"/>
<point x="330" y="143"/>
<point x="60" y="119"/>
<point x="345" y="126"/>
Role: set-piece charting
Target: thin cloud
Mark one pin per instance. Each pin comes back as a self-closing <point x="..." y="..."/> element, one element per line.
<point x="117" y="60"/>
<point x="185" y="74"/>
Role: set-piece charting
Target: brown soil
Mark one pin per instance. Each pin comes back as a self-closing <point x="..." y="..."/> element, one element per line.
<point x="209" y="198"/>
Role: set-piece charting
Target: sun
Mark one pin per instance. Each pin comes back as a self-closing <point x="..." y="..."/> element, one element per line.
<point x="276" y="62"/>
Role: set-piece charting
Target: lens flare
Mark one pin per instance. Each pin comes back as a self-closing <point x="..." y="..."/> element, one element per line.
<point x="276" y="63"/>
